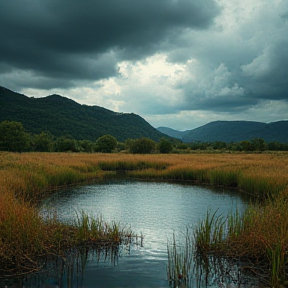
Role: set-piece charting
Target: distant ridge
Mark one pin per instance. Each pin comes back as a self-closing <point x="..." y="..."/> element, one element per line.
<point x="62" y="116"/>
<point x="233" y="131"/>
<point x="173" y="133"/>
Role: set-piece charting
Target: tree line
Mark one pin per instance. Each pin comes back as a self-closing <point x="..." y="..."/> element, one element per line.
<point x="14" y="138"/>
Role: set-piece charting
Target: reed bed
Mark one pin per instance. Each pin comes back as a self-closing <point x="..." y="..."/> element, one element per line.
<point x="27" y="240"/>
<point x="260" y="175"/>
<point x="27" y="178"/>
<point x="258" y="236"/>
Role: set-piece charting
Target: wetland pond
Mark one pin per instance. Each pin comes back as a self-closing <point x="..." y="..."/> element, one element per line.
<point x="158" y="210"/>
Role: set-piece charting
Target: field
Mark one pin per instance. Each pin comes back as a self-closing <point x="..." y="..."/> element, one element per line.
<point x="27" y="178"/>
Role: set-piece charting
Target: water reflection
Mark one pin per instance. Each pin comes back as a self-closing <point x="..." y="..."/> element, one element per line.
<point x="217" y="271"/>
<point x="67" y="271"/>
<point x="158" y="210"/>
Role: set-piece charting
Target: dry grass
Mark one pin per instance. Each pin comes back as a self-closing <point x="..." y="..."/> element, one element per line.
<point x="26" y="178"/>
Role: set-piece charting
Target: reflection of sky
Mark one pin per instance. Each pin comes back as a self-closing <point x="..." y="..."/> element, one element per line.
<point x="155" y="209"/>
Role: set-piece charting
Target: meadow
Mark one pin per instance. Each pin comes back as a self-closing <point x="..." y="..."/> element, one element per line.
<point x="260" y="234"/>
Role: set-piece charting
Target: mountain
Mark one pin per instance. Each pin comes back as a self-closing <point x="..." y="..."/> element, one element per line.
<point x="172" y="132"/>
<point x="233" y="131"/>
<point x="62" y="116"/>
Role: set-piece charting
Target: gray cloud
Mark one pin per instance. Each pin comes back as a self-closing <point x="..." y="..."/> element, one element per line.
<point x="167" y="60"/>
<point x="70" y="40"/>
<point x="239" y="67"/>
<point x="266" y="76"/>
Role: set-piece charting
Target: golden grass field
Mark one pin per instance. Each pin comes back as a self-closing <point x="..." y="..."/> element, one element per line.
<point x="27" y="178"/>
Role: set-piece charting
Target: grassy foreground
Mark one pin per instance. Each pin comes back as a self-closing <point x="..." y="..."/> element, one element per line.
<point x="27" y="178"/>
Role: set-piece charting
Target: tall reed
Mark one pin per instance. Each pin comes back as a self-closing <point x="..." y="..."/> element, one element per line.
<point x="95" y="231"/>
<point x="180" y="257"/>
<point x="260" y="234"/>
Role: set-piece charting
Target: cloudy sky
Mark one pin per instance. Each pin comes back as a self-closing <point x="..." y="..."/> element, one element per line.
<point x="176" y="63"/>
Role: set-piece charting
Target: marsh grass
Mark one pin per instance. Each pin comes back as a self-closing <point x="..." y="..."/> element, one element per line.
<point x="224" y="178"/>
<point x="180" y="257"/>
<point x="26" y="240"/>
<point x="131" y="165"/>
<point x="209" y="234"/>
<point x="95" y="231"/>
<point x="22" y="237"/>
<point x="26" y="178"/>
<point x="260" y="234"/>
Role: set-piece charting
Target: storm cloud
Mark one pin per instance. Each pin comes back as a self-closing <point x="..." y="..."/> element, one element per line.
<point x="177" y="63"/>
<point x="72" y="40"/>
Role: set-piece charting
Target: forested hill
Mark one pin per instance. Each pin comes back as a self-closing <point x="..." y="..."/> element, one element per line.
<point x="62" y="116"/>
<point x="233" y="131"/>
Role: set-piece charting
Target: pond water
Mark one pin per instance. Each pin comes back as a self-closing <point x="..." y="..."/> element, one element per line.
<point x="156" y="210"/>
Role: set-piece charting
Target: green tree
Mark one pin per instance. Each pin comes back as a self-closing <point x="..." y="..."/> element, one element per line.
<point x="143" y="146"/>
<point x="258" y="144"/>
<point x="276" y="146"/>
<point x="106" y="143"/>
<point x="182" y="146"/>
<point x="43" y="142"/>
<point x="64" y="144"/>
<point x="219" y="145"/>
<point x="165" y="146"/>
<point x="128" y="144"/>
<point x="245" y="146"/>
<point x="120" y="147"/>
<point x="86" y="146"/>
<point x="13" y="137"/>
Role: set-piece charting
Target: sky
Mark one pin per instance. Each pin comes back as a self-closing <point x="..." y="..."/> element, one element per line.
<point x="176" y="63"/>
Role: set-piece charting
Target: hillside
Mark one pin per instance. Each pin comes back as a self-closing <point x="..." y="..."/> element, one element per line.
<point x="62" y="116"/>
<point x="173" y="133"/>
<point x="234" y="131"/>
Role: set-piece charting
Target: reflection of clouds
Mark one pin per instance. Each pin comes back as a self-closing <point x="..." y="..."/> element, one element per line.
<point x="157" y="210"/>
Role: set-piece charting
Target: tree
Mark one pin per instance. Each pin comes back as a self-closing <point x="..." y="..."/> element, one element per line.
<point x="13" y="137"/>
<point x="87" y="145"/>
<point x="120" y="147"/>
<point x="182" y="146"/>
<point x="165" y="146"/>
<point x="106" y="143"/>
<point x="129" y="144"/>
<point x="64" y="144"/>
<point x="143" y="146"/>
<point x="258" y="144"/>
<point x="245" y="146"/>
<point x="43" y="142"/>
<point x="219" y="145"/>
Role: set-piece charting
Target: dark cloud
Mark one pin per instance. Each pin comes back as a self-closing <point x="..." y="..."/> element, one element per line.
<point x="187" y="58"/>
<point x="266" y="76"/>
<point x="223" y="104"/>
<point x="70" y="40"/>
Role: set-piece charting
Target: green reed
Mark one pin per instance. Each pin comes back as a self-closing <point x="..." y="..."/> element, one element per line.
<point x="180" y="257"/>
<point x="261" y="188"/>
<point x="96" y="231"/>
<point x="130" y="165"/>
<point x="223" y="178"/>
<point x="209" y="234"/>
<point x="259" y="234"/>
<point x="276" y="256"/>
